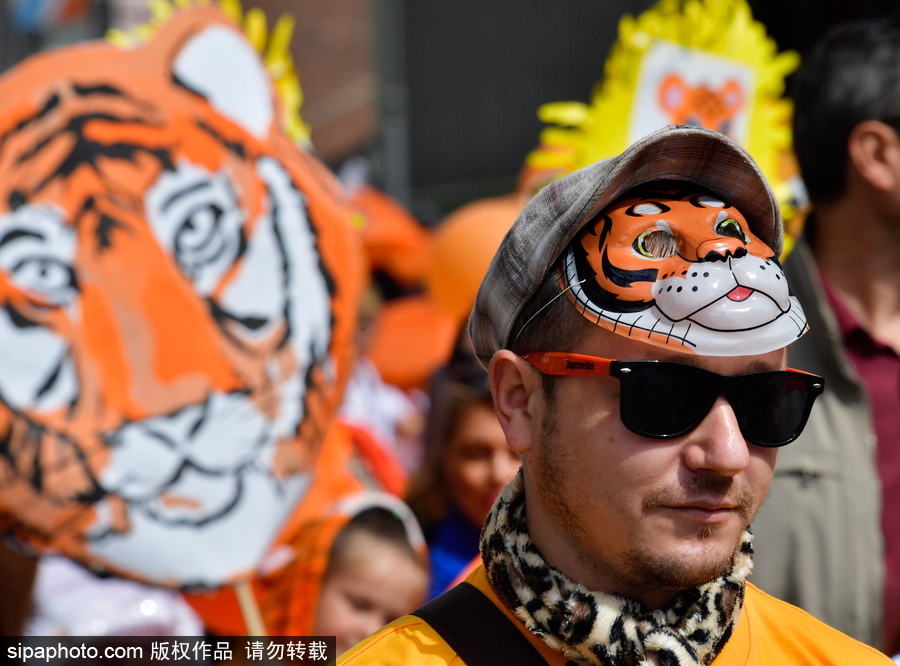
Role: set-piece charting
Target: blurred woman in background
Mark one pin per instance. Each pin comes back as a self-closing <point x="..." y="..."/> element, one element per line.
<point x="467" y="464"/>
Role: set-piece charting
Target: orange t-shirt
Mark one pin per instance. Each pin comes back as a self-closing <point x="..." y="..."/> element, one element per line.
<point x="769" y="632"/>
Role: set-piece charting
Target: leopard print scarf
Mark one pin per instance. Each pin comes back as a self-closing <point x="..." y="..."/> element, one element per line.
<point x="606" y="629"/>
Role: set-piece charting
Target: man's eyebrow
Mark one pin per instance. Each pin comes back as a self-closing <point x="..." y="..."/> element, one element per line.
<point x="759" y="366"/>
<point x="701" y="362"/>
<point x="687" y="359"/>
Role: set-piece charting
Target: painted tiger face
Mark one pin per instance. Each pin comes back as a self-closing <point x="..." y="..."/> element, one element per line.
<point x="682" y="269"/>
<point x="178" y="286"/>
<point x="701" y="106"/>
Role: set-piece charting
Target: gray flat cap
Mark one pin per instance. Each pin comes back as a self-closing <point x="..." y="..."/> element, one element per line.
<point x="553" y="218"/>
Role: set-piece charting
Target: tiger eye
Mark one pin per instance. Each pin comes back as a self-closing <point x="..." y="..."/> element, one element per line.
<point x="731" y="228"/>
<point x="656" y="244"/>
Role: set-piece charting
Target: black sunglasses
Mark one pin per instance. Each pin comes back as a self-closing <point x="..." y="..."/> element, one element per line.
<point x="660" y="399"/>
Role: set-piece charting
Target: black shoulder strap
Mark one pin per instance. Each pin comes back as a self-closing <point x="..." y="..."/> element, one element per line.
<point x="477" y="630"/>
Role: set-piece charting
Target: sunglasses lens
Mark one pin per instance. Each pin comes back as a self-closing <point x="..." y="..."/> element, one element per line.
<point x="663" y="399"/>
<point x="772" y="407"/>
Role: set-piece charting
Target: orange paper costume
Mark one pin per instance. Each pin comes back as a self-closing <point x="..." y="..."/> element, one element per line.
<point x="178" y="294"/>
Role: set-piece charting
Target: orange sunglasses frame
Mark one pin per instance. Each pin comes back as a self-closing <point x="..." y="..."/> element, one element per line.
<point x="565" y="363"/>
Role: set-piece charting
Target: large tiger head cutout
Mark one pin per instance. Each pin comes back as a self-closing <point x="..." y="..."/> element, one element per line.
<point x="178" y="287"/>
<point x="675" y="266"/>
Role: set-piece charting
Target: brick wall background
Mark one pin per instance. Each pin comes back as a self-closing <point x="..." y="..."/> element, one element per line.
<point x="333" y="52"/>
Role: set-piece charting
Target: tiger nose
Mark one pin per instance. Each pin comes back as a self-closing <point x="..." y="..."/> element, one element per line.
<point x="173" y="352"/>
<point x="719" y="249"/>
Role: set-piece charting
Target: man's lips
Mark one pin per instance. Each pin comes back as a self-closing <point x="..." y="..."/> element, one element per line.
<point x="708" y="504"/>
<point x="705" y="510"/>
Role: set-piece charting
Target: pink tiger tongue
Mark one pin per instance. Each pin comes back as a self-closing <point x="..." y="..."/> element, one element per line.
<point x="739" y="294"/>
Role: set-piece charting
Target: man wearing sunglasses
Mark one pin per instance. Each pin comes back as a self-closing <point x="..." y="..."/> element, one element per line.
<point x="634" y="322"/>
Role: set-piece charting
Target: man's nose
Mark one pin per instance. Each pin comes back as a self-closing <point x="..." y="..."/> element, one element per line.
<point x="717" y="443"/>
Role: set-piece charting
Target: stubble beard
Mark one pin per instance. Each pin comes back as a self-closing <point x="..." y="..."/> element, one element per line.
<point x="639" y="569"/>
<point x="652" y="571"/>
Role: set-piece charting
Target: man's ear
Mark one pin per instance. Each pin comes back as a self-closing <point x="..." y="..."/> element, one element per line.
<point x="518" y="398"/>
<point x="873" y="148"/>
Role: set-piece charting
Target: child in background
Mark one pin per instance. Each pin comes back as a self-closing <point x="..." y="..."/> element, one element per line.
<point x="374" y="576"/>
<point x="360" y="567"/>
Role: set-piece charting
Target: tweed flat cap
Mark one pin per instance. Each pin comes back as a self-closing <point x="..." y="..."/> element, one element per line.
<point x="553" y="218"/>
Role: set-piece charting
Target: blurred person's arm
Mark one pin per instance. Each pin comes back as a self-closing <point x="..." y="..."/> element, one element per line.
<point x="17" y="572"/>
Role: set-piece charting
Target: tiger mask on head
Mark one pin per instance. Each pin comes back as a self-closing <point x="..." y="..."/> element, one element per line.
<point x="678" y="267"/>
<point x="178" y="291"/>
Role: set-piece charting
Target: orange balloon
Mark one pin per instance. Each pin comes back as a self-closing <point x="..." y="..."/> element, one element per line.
<point x="464" y="245"/>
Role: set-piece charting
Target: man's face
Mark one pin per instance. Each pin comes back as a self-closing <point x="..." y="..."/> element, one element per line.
<point x="637" y="516"/>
